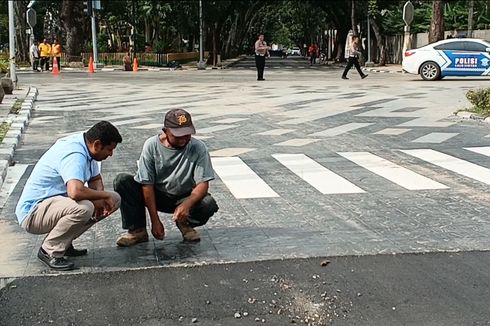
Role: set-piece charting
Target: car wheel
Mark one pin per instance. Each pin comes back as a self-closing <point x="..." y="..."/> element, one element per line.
<point x="430" y="71"/>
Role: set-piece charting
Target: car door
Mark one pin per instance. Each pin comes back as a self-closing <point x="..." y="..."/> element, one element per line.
<point x="481" y="56"/>
<point x="464" y="58"/>
<point x="457" y="58"/>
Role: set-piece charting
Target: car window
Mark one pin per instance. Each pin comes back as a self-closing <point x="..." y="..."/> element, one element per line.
<point x="454" y="46"/>
<point x="474" y="46"/>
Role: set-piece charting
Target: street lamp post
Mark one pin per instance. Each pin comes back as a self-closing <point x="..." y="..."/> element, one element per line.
<point x="201" y="65"/>
<point x="13" y="74"/>
<point x="368" y="63"/>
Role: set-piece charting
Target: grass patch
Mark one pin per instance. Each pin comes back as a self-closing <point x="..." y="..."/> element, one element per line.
<point x="16" y="107"/>
<point x="4" y="127"/>
<point x="480" y="99"/>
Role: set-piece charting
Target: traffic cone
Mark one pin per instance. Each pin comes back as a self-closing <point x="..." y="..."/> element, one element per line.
<point x="135" y="65"/>
<point x="91" y="65"/>
<point x="55" y="70"/>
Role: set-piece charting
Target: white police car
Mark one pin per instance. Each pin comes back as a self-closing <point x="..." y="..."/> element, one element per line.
<point x="452" y="57"/>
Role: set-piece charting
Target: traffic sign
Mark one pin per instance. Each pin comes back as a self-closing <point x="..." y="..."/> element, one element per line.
<point x="31" y="17"/>
<point x="408" y="13"/>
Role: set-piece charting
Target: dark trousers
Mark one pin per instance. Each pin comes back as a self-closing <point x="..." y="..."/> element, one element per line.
<point x="35" y="63"/>
<point x="133" y="204"/>
<point x="313" y="59"/>
<point x="352" y="61"/>
<point x="45" y="63"/>
<point x="260" y="64"/>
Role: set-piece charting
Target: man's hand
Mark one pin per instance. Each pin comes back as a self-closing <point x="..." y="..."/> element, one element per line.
<point x="103" y="208"/>
<point x="158" y="230"/>
<point x="181" y="213"/>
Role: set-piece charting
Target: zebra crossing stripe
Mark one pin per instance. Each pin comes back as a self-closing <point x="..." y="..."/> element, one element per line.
<point x="480" y="150"/>
<point x="451" y="163"/>
<point x="242" y="181"/>
<point x="392" y="172"/>
<point x="321" y="178"/>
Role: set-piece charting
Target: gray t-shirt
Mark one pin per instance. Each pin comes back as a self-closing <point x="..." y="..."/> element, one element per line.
<point x="174" y="171"/>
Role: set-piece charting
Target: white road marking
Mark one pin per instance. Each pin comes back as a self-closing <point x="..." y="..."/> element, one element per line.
<point x="318" y="176"/>
<point x="242" y="181"/>
<point x="392" y="172"/>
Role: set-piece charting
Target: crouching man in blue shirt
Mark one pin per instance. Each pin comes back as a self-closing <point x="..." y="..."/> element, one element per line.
<point x="55" y="199"/>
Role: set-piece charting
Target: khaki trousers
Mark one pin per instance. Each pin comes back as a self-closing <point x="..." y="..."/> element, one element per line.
<point x="63" y="219"/>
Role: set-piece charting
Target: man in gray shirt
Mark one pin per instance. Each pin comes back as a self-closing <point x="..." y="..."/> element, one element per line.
<point x="174" y="170"/>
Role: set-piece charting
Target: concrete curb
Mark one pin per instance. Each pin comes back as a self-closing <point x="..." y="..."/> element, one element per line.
<point x="472" y="116"/>
<point x="377" y="69"/>
<point x="13" y="136"/>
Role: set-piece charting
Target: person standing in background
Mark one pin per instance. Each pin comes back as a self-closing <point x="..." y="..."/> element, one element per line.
<point x="56" y="52"/>
<point x="34" y="52"/>
<point x="261" y="51"/>
<point x="45" y="53"/>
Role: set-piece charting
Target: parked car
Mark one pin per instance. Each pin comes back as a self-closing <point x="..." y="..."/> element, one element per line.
<point x="294" y="51"/>
<point x="452" y="57"/>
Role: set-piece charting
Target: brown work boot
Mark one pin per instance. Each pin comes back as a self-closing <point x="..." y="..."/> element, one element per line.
<point x="188" y="233"/>
<point x="130" y="239"/>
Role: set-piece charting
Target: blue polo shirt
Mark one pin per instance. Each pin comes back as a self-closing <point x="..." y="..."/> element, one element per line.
<point x="66" y="160"/>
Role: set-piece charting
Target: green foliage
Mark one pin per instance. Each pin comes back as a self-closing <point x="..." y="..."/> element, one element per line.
<point x="4" y="66"/>
<point x="159" y="46"/>
<point x="4" y="127"/>
<point x="480" y="98"/>
<point x="102" y="43"/>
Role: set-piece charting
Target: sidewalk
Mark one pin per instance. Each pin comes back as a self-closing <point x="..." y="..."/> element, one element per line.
<point x="17" y="121"/>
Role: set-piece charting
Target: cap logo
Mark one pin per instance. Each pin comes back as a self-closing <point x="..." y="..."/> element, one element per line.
<point x="181" y="119"/>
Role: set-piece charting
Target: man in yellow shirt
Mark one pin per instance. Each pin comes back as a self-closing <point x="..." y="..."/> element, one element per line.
<point x="45" y="53"/>
<point x="56" y="52"/>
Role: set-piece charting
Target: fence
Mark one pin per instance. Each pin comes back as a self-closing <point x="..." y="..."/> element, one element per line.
<point x="394" y="44"/>
<point x="145" y="59"/>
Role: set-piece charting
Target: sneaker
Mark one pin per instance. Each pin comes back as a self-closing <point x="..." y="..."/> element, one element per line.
<point x="72" y="252"/>
<point x="130" y="239"/>
<point x="364" y="76"/>
<point x="188" y="233"/>
<point x="343" y="77"/>
<point x="56" y="263"/>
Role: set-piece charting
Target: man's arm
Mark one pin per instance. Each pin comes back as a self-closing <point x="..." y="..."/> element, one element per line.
<point x="104" y="205"/>
<point x="157" y="228"/>
<point x="96" y="183"/>
<point x="198" y="193"/>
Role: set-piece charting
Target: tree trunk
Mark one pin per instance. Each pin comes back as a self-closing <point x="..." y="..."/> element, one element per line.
<point x="380" y="41"/>
<point x="353" y="20"/>
<point x="21" y="38"/>
<point x="436" y="32"/>
<point x="73" y="20"/>
<point x="471" y="9"/>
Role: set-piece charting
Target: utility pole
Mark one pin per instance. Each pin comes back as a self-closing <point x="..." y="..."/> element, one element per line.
<point x="13" y="74"/>
<point x="201" y="65"/>
<point x="368" y="63"/>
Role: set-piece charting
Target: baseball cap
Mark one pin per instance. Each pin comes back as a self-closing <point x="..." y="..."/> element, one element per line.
<point x="179" y="123"/>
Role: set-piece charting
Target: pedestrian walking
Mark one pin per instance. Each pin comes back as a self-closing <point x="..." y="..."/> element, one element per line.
<point x="352" y="56"/>
<point x="313" y="52"/>
<point x="173" y="177"/>
<point x="45" y="54"/>
<point x="55" y="199"/>
<point x="261" y="51"/>
<point x="56" y="52"/>
<point x="34" y="52"/>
